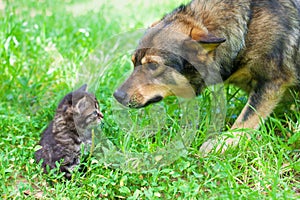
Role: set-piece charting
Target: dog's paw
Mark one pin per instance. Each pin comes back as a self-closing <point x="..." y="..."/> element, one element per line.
<point x="219" y="144"/>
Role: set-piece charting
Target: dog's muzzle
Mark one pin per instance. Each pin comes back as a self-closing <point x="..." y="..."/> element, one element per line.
<point x="122" y="97"/>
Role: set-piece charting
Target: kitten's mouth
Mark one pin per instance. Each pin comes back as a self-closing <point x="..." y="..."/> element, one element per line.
<point x="99" y="121"/>
<point x="95" y="124"/>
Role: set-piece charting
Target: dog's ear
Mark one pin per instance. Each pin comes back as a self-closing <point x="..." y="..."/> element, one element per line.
<point x="207" y="40"/>
<point x="155" y="23"/>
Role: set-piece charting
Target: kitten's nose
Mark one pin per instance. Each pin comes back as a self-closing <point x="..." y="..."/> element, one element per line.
<point x="120" y="95"/>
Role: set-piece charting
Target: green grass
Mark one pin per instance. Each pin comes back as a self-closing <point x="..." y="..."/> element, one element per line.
<point x="50" y="47"/>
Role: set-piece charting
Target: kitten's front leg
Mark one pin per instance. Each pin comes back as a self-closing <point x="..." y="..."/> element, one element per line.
<point x="69" y="164"/>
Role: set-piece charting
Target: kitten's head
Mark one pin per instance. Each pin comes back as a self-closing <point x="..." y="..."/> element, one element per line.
<point x="82" y="107"/>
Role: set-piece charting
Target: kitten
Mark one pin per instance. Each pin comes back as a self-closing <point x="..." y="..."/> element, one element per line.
<point x="61" y="142"/>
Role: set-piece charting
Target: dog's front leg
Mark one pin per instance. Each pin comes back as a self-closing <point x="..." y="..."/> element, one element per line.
<point x="261" y="103"/>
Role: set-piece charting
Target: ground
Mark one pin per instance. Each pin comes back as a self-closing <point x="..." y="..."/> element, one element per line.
<point x="50" y="47"/>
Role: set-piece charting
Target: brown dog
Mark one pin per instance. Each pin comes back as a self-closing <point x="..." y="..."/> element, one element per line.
<point x="253" y="44"/>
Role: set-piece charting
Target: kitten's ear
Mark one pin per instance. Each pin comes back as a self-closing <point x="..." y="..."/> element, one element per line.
<point x="82" y="105"/>
<point x="83" y="88"/>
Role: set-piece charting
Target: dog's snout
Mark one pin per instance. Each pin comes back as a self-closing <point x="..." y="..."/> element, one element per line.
<point x="120" y="95"/>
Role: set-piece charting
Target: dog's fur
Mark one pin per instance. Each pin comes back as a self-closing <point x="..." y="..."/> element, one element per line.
<point x="253" y="44"/>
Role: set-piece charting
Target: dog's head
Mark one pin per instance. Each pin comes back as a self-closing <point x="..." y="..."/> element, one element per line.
<point x="172" y="58"/>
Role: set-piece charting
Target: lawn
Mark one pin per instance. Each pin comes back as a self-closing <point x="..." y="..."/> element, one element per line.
<point x="50" y="47"/>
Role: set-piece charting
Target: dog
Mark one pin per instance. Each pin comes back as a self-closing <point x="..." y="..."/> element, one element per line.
<point x="253" y="44"/>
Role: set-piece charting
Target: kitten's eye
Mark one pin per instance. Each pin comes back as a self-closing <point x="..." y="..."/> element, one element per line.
<point x="95" y="113"/>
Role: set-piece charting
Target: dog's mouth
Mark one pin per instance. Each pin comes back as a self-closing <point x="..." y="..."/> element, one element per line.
<point x="150" y="101"/>
<point x="154" y="100"/>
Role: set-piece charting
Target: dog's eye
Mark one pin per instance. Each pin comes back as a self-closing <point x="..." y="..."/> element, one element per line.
<point x="152" y="66"/>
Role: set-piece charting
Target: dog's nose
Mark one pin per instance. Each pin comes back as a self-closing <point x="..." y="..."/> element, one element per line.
<point x="120" y="95"/>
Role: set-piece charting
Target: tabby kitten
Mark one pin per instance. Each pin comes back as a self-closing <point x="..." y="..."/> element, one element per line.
<point x="61" y="142"/>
